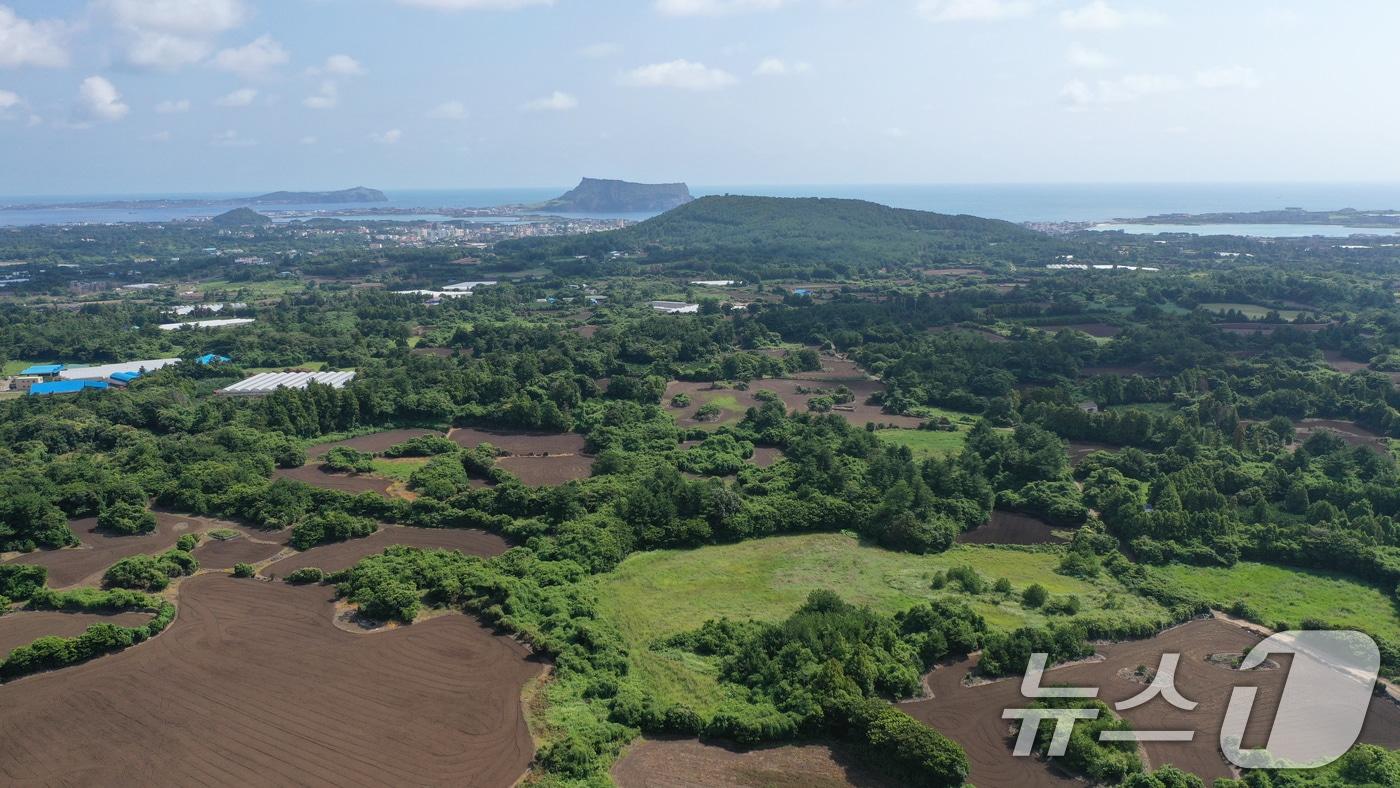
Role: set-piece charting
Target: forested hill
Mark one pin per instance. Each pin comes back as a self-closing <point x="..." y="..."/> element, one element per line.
<point x="773" y="236"/>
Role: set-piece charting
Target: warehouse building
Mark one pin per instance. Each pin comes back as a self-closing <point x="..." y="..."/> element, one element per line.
<point x="268" y="382"/>
<point x="110" y="371"/>
<point x="65" y="387"/>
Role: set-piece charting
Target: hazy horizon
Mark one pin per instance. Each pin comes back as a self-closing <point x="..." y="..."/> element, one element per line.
<point x="162" y="96"/>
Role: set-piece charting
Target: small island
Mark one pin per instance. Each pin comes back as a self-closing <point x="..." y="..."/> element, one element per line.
<point x="596" y="195"/>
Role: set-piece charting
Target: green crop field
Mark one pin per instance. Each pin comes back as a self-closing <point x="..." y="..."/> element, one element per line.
<point x="1290" y="595"/>
<point x="398" y="468"/>
<point x="1252" y="311"/>
<point x="926" y="443"/>
<point x="657" y="594"/>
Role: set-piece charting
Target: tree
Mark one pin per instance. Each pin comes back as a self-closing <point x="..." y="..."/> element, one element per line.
<point x="1034" y="596"/>
<point x="126" y="519"/>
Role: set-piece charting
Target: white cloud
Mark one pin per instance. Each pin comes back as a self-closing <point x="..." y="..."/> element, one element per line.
<point x="238" y="98"/>
<point x="389" y="137"/>
<point x="1081" y="56"/>
<point x="25" y="43"/>
<point x="308" y="140"/>
<point x="326" y="98"/>
<point x="152" y="49"/>
<point x="600" y="50"/>
<point x="338" y="66"/>
<point x="777" y="67"/>
<point x="1099" y="15"/>
<point x="9" y="100"/>
<point x="98" y="99"/>
<point x="1132" y="87"/>
<point x="159" y="136"/>
<point x="172" y="106"/>
<point x="252" y="59"/>
<point x="682" y="74"/>
<point x="474" y="5"/>
<point x="1228" y="77"/>
<point x="558" y="101"/>
<point x="716" y="7"/>
<point x="973" y="10"/>
<point x="449" y="110"/>
<point x="190" y="17"/>
<point x="231" y="139"/>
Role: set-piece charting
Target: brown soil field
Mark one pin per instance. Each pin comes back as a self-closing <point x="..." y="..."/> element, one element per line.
<point x="834" y="368"/>
<point x="254" y="685"/>
<point x="1078" y="450"/>
<point x="787" y="389"/>
<point x="520" y="443"/>
<point x="311" y="474"/>
<point x="1268" y="328"/>
<point x="1092" y="329"/>
<point x="586" y="331"/>
<point x="224" y="553"/>
<point x="25" y="626"/>
<point x="373" y="442"/>
<point x="548" y="471"/>
<point x="440" y="352"/>
<point x="1335" y="360"/>
<point x="765" y="456"/>
<point x="1354" y="434"/>
<point x="972" y="715"/>
<point x="1011" y="528"/>
<point x="689" y="763"/>
<point x="953" y="272"/>
<point x="84" y="565"/>
<point x="343" y="555"/>
<point x="1125" y="371"/>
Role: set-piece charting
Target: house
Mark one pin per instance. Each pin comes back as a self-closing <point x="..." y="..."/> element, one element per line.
<point x="66" y="387"/>
<point x="45" y="371"/>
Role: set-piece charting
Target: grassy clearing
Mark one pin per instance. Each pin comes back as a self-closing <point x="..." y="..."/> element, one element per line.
<point x="271" y="287"/>
<point x="1252" y="311"/>
<point x="399" y="468"/>
<point x="926" y="443"/>
<point x="14" y="367"/>
<point x="1284" y="594"/>
<point x="656" y="594"/>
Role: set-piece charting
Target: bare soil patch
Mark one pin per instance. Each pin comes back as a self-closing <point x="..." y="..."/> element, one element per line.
<point x="1354" y="434"/>
<point x="84" y="565"/>
<point x="1268" y="328"/>
<point x="1092" y="329"/>
<point x="352" y="483"/>
<point x="972" y="715"/>
<point x="539" y="471"/>
<point x="765" y="456"/>
<point x="788" y="390"/>
<point x="520" y="443"/>
<point x="1078" y="450"/>
<point x="25" y="626"/>
<point x="1011" y="528"/>
<point x="373" y="442"/>
<point x="1336" y="361"/>
<point x="343" y="555"/>
<point x="440" y="352"/>
<point x="689" y="763"/>
<point x="954" y="272"/>
<point x="253" y="685"/>
<point x="224" y="553"/>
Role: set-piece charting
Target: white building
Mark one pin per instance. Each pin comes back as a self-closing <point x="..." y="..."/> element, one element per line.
<point x="221" y="323"/>
<point x="716" y="282"/>
<point x="674" y="307"/>
<point x="181" y="311"/>
<point x="104" y="371"/>
<point x="466" y="285"/>
<point x="268" y="382"/>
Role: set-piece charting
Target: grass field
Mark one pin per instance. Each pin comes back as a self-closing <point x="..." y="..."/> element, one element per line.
<point x="398" y="468"/>
<point x="1252" y="311"/>
<point x="657" y="594"/>
<point x="1283" y="594"/>
<point x="926" y="443"/>
<point x="14" y="367"/>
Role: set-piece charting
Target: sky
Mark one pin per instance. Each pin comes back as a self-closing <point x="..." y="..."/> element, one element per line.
<point x="152" y="96"/>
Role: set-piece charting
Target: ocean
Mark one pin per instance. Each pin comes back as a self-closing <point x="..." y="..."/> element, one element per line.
<point x="1012" y="202"/>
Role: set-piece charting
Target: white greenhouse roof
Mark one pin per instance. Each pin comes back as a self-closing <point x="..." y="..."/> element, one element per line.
<point x="268" y="382"/>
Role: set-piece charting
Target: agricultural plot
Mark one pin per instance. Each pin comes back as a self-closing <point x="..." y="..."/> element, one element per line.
<point x="254" y="684"/>
<point x="23" y="627"/>
<point x="686" y="763"/>
<point x="342" y="555"/>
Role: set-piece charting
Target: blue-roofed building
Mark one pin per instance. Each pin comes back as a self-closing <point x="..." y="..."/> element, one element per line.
<point x="125" y="377"/>
<point x="43" y="370"/>
<point x="66" y="387"/>
<point x="213" y="358"/>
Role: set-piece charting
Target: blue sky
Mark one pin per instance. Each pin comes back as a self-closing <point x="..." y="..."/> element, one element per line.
<point x="131" y="96"/>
